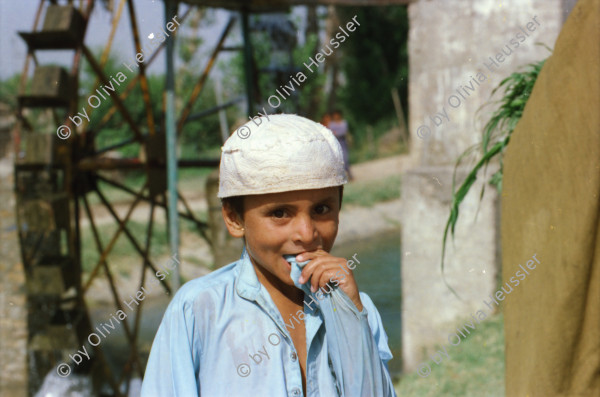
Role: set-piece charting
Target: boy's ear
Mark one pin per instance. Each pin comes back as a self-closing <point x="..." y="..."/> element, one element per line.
<point x="234" y="224"/>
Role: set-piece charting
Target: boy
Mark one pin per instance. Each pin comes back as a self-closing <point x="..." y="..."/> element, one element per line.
<point x="247" y="329"/>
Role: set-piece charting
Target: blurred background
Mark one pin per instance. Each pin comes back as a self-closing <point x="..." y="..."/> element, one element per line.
<point x="89" y="213"/>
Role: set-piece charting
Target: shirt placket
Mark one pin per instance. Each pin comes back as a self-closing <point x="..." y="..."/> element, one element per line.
<point x="293" y="373"/>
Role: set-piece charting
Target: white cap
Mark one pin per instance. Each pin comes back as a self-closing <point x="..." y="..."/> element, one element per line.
<point x="284" y="152"/>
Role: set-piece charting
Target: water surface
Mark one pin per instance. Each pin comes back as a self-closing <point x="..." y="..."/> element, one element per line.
<point x="378" y="274"/>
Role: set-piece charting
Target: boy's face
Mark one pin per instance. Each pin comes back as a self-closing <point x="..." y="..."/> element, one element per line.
<point x="285" y="223"/>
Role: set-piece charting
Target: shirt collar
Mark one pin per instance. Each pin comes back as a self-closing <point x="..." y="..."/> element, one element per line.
<point x="248" y="287"/>
<point x="247" y="284"/>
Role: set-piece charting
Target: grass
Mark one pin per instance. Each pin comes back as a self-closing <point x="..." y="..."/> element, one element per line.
<point x="474" y="368"/>
<point x="367" y="193"/>
<point x="368" y="142"/>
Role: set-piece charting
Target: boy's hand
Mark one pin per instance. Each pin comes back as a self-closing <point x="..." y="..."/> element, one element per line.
<point x="324" y="268"/>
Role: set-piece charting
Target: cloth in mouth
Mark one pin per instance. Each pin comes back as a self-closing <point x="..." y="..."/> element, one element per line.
<point x="297" y="271"/>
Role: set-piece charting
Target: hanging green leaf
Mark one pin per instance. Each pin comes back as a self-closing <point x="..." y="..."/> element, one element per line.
<point x="496" y="133"/>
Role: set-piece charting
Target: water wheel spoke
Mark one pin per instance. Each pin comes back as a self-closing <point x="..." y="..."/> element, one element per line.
<point x="129" y="235"/>
<point x="200" y="83"/>
<point x="127" y="367"/>
<point x="117" y="100"/>
<point x="109" y="276"/>
<point x="134" y="354"/>
<point x="100" y="354"/>
<point x="113" y="240"/>
<point x="131" y="336"/>
<point x="143" y="275"/>
<point x="142" y="67"/>
<point x="199" y="224"/>
<point x="117" y="145"/>
<point x="131" y="85"/>
<point x="113" y="109"/>
<point x="147" y="198"/>
<point x="104" y="56"/>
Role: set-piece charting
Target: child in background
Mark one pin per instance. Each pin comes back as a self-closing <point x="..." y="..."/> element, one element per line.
<point x="339" y="127"/>
<point x="326" y="119"/>
<point x="230" y="333"/>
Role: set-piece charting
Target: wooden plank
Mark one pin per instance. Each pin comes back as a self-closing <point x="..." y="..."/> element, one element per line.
<point x="51" y="86"/>
<point x="46" y="280"/>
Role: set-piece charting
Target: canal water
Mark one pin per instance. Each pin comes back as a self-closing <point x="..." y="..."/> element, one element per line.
<point x="378" y="274"/>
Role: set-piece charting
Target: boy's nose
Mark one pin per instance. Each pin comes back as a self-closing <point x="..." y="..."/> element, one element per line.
<point x="305" y="231"/>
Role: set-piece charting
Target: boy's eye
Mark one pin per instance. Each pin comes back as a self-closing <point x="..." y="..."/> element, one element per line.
<point x="278" y="213"/>
<point x="322" y="209"/>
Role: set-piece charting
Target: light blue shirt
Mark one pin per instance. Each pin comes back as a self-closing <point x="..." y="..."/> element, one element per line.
<point x="222" y="335"/>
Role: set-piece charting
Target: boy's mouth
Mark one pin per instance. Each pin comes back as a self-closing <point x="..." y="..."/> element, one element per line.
<point x="291" y="257"/>
<point x="289" y="266"/>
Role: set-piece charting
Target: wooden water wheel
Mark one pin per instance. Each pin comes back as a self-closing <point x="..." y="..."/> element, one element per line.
<point x="61" y="178"/>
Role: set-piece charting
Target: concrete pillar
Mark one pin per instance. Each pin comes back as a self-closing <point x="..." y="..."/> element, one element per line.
<point x="449" y="44"/>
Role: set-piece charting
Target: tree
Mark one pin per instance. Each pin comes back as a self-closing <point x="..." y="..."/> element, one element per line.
<point x="376" y="60"/>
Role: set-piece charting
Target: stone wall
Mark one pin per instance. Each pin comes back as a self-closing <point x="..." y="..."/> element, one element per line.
<point x="450" y="42"/>
<point x="13" y="307"/>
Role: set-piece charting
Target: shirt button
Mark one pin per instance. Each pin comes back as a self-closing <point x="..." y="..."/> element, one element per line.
<point x="296" y="391"/>
<point x="293" y="356"/>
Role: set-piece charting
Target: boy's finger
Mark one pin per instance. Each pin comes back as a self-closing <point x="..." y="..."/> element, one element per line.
<point x="304" y="256"/>
<point x="307" y="272"/>
<point x="316" y="277"/>
<point x="312" y="254"/>
<point x="310" y="267"/>
<point x="325" y="277"/>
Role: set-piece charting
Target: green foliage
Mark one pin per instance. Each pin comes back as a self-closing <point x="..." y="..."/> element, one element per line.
<point x="375" y="60"/>
<point x="200" y="135"/>
<point x="265" y="56"/>
<point x="314" y="81"/>
<point x="367" y="193"/>
<point x="372" y="61"/>
<point x="366" y="139"/>
<point x="116" y="129"/>
<point x="197" y="136"/>
<point x="9" y="89"/>
<point x="189" y="38"/>
<point x="495" y="138"/>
